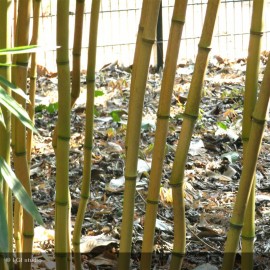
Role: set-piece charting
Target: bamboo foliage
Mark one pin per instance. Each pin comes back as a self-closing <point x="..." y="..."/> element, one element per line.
<point x="249" y="166"/>
<point x="20" y="156"/>
<point x="62" y="154"/>
<point x="85" y="190"/>
<point x="250" y="97"/>
<point x="190" y="116"/>
<point x="145" y="40"/>
<point x="178" y="20"/>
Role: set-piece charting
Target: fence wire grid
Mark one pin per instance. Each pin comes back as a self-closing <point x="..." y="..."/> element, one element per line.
<point x="119" y="21"/>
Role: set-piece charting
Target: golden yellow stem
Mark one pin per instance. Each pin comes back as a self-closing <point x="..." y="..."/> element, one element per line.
<point x="33" y="76"/>
<point x="249" y="168"/>
<point x="85" y="191"/>
<point x="178" y="20"/>
<point x="190" y="116"/>
<point x="137" y="91"/>
<point x="63" y="137"/>
<point x="250" y="97"/>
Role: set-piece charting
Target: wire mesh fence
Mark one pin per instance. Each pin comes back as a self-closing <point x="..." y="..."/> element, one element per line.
<point x="119" y="23"/>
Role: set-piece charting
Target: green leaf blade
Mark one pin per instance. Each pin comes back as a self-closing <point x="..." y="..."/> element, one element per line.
<point x="7" y="101"/>
<point x="14" y="88"/>
<point x="19" y="191"/>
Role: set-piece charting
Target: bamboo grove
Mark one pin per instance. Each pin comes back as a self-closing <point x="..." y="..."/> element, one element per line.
<point x="17" y="132"/>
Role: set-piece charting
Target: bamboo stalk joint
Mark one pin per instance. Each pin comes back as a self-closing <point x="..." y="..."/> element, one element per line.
<point x="181" y="22"/>
<point x="256" y="33"/>
<point x="151" y="201"/>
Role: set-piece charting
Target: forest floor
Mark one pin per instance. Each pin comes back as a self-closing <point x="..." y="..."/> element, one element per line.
<point x="212" y="173"/>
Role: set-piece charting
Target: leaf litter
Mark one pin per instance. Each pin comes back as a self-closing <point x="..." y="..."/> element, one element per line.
<point x="212" y="173"/>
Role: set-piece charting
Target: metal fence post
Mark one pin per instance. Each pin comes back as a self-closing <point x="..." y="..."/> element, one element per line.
<point x="159" y="46"/>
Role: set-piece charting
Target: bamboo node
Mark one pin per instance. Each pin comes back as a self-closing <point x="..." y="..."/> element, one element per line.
<point x="62" y="63"/>
<point x="258" y="121"/>
<point x="236" y="226"/>
<point x="165" y="117"/>
<point x="175" y="185"/>
<point x="256" y="33"/>
<point x="4" y="67"/>
<point x="90" y="147"/>
<point x="76" y="54"/>
<point x="22" y="64"/>
<point x="60" y="254"/>
<point x="149" y="41"/>
<point x="84" y="197"/>
<point x="245" y="139"/>
<point x="20" y="154"/>
<point x="131" y="178"/>
<point x="151" y="202"/>
<point x="248" y="238"/>
<point x="28" y="235"/>
<point x="201" y="47"/>
<point x="63" y="138"/>
<point x="178" y="21"/>
<point x="61" y="203"/>
<point x="90" y="80"/>
<point x="141" y="27"/>
<point x="75" y="243"/>
<point x="179" y="254"/>
<point x="187" y="115"/>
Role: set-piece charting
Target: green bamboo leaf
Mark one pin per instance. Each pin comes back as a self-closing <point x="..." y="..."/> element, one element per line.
<point x="7" y="101"/>
<point x="26" y="49"/>
<point x="99" y="93"/>
<point x="116" y="115"/>
<point x="222" y="125"/>
<point x="52" y="107"/>
<point x="14" y="88"/>
<point x="19" y="191"/>
<point x="7" y="65"/>
<point x="19" y="49"/>
<point x="3" y="227"/>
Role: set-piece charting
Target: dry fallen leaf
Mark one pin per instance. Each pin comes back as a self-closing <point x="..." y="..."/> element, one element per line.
<point x="88" y="243"/>
<point x="42" y="234"/>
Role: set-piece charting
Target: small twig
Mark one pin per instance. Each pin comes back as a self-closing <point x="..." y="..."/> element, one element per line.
<point x="194" y="234"/>
<point x="197" y="237"/>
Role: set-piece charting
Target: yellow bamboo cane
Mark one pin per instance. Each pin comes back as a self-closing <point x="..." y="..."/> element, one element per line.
<point x="76" y="67"/>
<point x="137" y="50"/>
<point x="85" y="190"/>
<point x="63" y="137"/>
<point x="249" y="167"/>
<point x="178" y="20"/>
<point x="190" y="116"/>
<point x="33" y="76"/>
<point x="15" y="15"/>
<point x="77" y="45"/>
<point x="17" y="206"/>
<point x="250" y="97"/>
<point x="5" y="42"/>
<point x="137" y="91"/>
<point x="18" y="228"/>
<point x="20" y="156"/>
